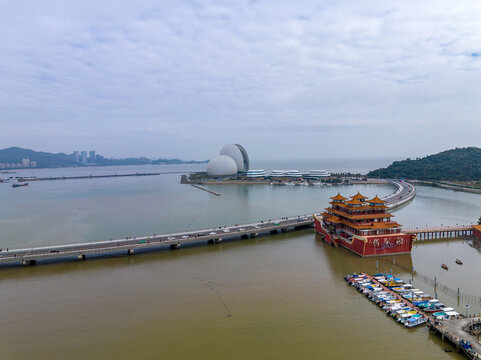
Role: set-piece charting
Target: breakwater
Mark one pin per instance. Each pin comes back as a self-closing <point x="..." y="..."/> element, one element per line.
<point x="52" y="178"/>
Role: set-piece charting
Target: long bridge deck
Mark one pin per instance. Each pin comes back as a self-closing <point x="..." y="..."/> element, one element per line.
<point x="405" y="192"/>
<point x="130" y="244"/>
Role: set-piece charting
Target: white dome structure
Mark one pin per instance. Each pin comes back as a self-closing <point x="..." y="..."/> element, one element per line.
<point x="239" y="154"/>
<point x="221" y="165"/>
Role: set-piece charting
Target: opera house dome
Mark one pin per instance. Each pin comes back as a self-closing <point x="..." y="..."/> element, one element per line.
<point x="221" y="165"/>
<point x="231" y="160"/>
<point x="238" y="153"/>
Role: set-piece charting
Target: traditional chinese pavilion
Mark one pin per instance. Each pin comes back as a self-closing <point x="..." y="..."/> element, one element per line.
<point x="363" y="226"/>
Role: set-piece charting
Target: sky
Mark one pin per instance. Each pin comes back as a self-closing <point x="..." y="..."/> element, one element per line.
<point x="285" y="79"/>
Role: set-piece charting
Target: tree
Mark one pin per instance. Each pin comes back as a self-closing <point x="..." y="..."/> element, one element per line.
<point x="479" y="221"/>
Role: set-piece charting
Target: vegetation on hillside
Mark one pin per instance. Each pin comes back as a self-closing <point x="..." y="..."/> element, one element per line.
<point x="50" y="160"/>
<point x="460" y="164"/>
<point x="43" y="159"/>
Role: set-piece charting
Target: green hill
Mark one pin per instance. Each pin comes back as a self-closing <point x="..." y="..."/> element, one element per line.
<point x="460" y="164"/>
<point x="43" y="159"/>
<point x="49" y="160"/>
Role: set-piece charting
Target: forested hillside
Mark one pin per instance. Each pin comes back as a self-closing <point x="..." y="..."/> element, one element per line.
<point x="460" y="164"/>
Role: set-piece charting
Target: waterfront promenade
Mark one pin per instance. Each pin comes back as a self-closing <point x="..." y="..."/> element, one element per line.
<point x="129" y="245"/>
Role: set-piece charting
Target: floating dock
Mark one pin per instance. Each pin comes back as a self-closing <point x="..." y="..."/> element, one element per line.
<point x="461" y="331"/>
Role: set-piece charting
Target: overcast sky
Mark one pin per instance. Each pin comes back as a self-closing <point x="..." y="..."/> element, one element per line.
<point x="286" y="79"/>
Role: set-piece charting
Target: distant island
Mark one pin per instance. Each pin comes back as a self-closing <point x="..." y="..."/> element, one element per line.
<point x="460" y="165"/>
<point x="18" y="158"/>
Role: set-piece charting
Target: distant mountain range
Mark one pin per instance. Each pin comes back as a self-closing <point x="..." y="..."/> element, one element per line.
<point x="460" y="164"/>
<point x="18" y="156"/>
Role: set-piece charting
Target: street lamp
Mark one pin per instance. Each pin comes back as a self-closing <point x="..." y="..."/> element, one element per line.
<point x="467" y="307"/>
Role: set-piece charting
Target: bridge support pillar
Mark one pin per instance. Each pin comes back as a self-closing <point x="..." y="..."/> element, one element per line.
<point x="174" y="246"/>
<point x="81" y="257"/>
<point x="130" y="252"/>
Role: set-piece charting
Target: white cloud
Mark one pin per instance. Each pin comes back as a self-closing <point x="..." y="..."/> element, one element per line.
<point x="270" y="69"/>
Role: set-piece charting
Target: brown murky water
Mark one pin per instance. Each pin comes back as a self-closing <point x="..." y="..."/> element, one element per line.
<point x="274" y="297"/>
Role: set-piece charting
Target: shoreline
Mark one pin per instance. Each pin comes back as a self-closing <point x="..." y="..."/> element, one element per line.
<point x="446" y="186"/>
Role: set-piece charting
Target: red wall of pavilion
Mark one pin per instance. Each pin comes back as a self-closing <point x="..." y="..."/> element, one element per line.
<point x="477" y="233"/>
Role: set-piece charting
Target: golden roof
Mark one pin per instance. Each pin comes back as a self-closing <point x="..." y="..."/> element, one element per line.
<point x="338" y="197"/>
<point x="354" y="202"/>
<point x="358" y="196"/>
<point x="376" y="200"/>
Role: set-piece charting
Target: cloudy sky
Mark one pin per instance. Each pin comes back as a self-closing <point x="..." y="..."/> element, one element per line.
<point x="286" y="79"/>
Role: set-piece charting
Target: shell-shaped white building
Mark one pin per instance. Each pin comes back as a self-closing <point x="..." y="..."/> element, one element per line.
<point x="238" y="153"/>
<point x="229" y="155"/>
<point x="221" y="165"/>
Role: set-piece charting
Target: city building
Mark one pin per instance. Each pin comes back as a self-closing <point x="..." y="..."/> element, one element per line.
<point x="25" y="162"/>
<point x="92" y="157"/>
<point x="83" y="157"/>
<point x="316" y="174"/>
<point x="76" y="156"/>
<point x="252" y="174"/>
<point x="278" y="173"/>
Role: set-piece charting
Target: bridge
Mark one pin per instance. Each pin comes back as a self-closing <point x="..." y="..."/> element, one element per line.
<point x="442" y="232"/>
<point x="129" y="245"/>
